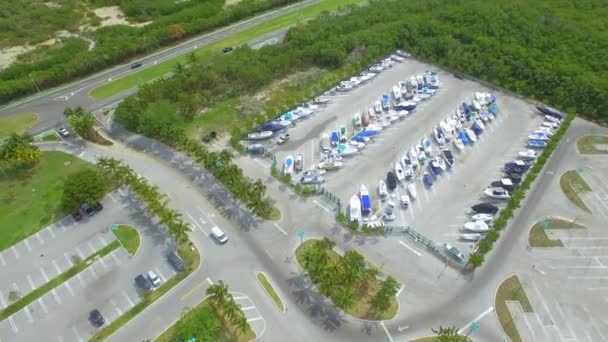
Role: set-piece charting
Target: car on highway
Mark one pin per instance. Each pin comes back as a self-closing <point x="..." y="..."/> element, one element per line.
<point x="64" y="132"/>
<point x="219" y="235"/>
<point x="136" y="65"/>
<point x="143" y="283"/>
<point x="154" y="279"/>
<point x="96" y="318"/>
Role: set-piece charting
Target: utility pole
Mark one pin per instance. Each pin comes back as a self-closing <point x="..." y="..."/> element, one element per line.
<point x="33" y="81"/>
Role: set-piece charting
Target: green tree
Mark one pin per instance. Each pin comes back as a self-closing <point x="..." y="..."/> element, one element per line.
<point x="18" y="150"/>
<point x="219" y="294"/>
<point x="201" y="323"/>
<point x="83" y="186"/>
<point x="344" y="298"/>
<point x="448" y="334"/>
<point x="81" y="121"/>
<point x="353" y="266"/>
<point x="381" y="302"/>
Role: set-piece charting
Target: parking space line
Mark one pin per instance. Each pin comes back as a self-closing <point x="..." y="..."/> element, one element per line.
<point x="254" y="319"/>
<point x="27" y="245"/>
<point x="46" y="278"/>
<point x="80" y="253"/>
<point x="14" y="249"/>
<point x="162" y="276"/>
<point x="39" y="238"/>
<point x="31" y="282"/>
<point x="67" y="285"/>
<point x="57" y="299"/>
<point x="279" y="228"/>
<point x="13" y="325"/>
<point x="238" y="297"/>
<point x="80" y="280"/>
<point x="2" y="260"/>
<point x="52" y="232"/>
<point x="56" y="266"/>
<point x="248" y="308"/>
<point x="321" y="206"/>
<point x="78" y="337"/>
<point x="28" y="314"/>
<point x="41" y="302"/>
<point x="2" y="301"/>
<point x="410" y="248"/>
<point x="131" y="304"/>
<point x="118" y="311"/>
<point x="116" y="260"/>
<point x="103" y="263"/>
<point x="91" y="247"/>
<point x="102" y="240"/>
<point x="202" y="220"/>
<point x="68" y="260"/>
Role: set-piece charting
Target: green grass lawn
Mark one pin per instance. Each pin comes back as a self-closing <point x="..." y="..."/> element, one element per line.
<point x="538" y="236"/>
<point x="362" y="307"/>
<point x="30" y="200"/>
<point x="510" y="290"/>
<point x="572" y="185"/>
<point x="148" y="74"/>
<point x="588" y="144"/>
<point x="129" y="238"/>
<point x="17" y="123"/>
<point x="270" y="290"/>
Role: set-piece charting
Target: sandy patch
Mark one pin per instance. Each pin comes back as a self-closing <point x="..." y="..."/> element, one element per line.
<point x="231" y="2"/>
<point x="112" y="15"/>
<point x="9" y="55"/>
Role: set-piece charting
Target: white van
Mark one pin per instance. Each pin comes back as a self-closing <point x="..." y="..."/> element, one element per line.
<point x="219" y="235"/>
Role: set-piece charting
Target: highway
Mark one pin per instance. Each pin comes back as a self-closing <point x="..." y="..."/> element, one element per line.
<point x="50" y="104"/>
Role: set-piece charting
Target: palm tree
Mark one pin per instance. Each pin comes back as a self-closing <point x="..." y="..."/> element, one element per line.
<point x="353" y="265"/>
<point x="226" y="157"/>
<point x="108" y="164"/>
<point x="18" y="150"/>
<point x="169" y="216"/>
<point x="180" y="229"/>
<point x="448" y="334"/>
<point x="232" y="310"/>
<point x="344" y="298"/>
<point x="219" y="293"/>
<point x="241" y="324"/>
<point x="325" y="244"/>
<point x="179" y="69"/>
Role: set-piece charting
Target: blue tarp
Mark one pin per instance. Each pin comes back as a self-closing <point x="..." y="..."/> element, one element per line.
<point x="366" y="204"/>
<point x="494" y="109"/>
<point x="463" y="137"/>
<point x="367" y="133"/>
<point x="335" y="137"/>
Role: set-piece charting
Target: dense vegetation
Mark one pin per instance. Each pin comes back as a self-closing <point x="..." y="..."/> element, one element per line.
<point x="173" y="21"/>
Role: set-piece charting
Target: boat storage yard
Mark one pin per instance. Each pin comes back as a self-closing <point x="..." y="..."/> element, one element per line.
<point x="438" y="211"/>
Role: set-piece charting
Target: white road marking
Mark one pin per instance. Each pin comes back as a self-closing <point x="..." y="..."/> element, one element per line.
<point x="2" y="301"/>
<point x="41" y="302"/>
<point x="390" y="338"/>
<point x="239" y="297"/>
<point x="160" y="275"/>
<point x="103" y="263"/>
<point x="102" y="240"/>
<point x="254" y="319"/>
<point x="2" y="260"/>
<point x="91" y="247"/>
<point x="209" y="281"/>
<point x="112" y="198"/>
<point x="56" y="267"/>
<point x="57" y="299"/>
<point x="31" y="282"/>
<point x="68" y="260"/>
<point x="116" y="260"/>
<point x="248" y="308"/>
<point x="26" y="309"/>
<point x="118" y="311"/>
<point x="321" y="206"/>
<point x="80" y="280"/>
<point x="121" y="192"/>
<point x="78" y="337"/>
<point x="476" y="319"/>
<point x="39" y="238"/>
<point x="46" y="278"/>
<point x="410" y="248"/>
<point x="52" y="232"/>
<point x="27" y="245"/>
<point x="13" y="325"/>
<point x="14" y="249"/>
<point x="261" y="163"/>
<point x="400" y="290"/>
<point x="131" y="304"/>
<point x="67" y="285"/>
<point x="279" y="228"/>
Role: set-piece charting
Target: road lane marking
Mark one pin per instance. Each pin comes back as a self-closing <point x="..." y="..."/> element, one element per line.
<point x="68" y="260"/>
<point x="202" y="220"/>
<point x="261" y="163"/>
<point x="400" y="290"/>
<point x="13" y="325"/>
<point x="476" y="319"/>
<point x="31" y="282"/>
<point x="2" y="260"/>
<point x="57" y="299"/>
<point x="192" y="290"/>
<point x="410" y="248"/>
<point x="27" y="245"/>
<point x="14" y="249"/>
<point x="240" y="297"/>
<point x="255" y="319"/>
<point x="91" y="247"/>
<point x="390" y="338"/>
<point x="103" y="263"/>
<point x="56" y="267"/>
<point x="46" y="278"/>
<point x="78" y="337"/>
<point x="279" y="228"/>
<point x="321" y="206"/>
<point x="209" y="281"/>
<point x="80" y="253"/>
<point x="118" y="311"/>
<point x="41" y="302"/>
<point x="39" y="238"/>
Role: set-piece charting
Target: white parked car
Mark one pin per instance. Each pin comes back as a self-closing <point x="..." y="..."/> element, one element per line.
<point x="154" y="279"/>
<point x="283" y="138"/>
<point x="64" y="132"/>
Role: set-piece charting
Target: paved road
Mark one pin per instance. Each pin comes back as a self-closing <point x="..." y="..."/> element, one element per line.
<point x="50" y="105"/>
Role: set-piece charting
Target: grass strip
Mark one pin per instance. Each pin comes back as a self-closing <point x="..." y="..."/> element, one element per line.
<point x="538" y="235"/>
<point x="588" y="144"/>
<point x="191" y="259"/>
<point x="17" y="123"/>
<point x="128" y="237"/>
<point x="572" y="185"/>
<point x="58" y="280"/>
<point x="510" y="290"/>
<point x="270" y="290"/>
<point x="149" y="74"/>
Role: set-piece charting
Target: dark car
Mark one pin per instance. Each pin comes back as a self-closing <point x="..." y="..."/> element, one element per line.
<point x="514" y="177"/>
<point x="87" y="209"/>
<point x="96" y="318"/>
<point x="143" y="283"/>
<point x="136" y="65"/>
<point x="77" y="215"/>
<point x="176" y="261"/>
<point x="98" y="207"/>
<point x="485" y="208"/>
<point x="459" y="76"/>
<point x="227" y="49"/>
<point x="550" y="111"/>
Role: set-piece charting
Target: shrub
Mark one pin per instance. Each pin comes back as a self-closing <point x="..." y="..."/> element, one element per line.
<point x="476" y="259"/>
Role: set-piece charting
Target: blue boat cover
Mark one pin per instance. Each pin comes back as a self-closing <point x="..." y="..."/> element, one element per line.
<point x="334" y="136"/>
<point x="494" y="109"/>
<point x="366" y="203"/>
<point x="367" y="133"/>
<point x="272" y="126"/>
<point x="463" y="137"/>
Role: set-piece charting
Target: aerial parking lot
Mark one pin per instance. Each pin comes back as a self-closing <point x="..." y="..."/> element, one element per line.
<point x="106" y="284"/>
<point x="438" y="211"/>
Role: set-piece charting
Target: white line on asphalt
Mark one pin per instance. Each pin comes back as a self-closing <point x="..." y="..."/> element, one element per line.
<point x="13" y="325"/>
<point x="2" y="260"/>
<point x="321" y="206"/>
<point x="68" y="260"/>
<point x="56" y="267"/>
<point x="78" y="337"/>
<point x="103" y="263"/>
<point x="39" y="238"/>
<point x="162" y="276"/>
<point x="239" y="297"/>
<point x="131" y="304"/>
<point x="14" y="249"/>
<point x="57" y="299"/>
<point x="121" y="192"/>
<point x="26" y="309"/>
<point x="52" y="232"/>
<point x="31" y="282"/>
<point x="202" y="211"/>
<point x="248" y="308"/>
<point x="46" y="278"/>
<point x="91" y="247"/>
<point x="476" y="319"/>
<point x="279" y="228"/>
<point x="260" y="162"/>
<point x="390" y="338"/>
<point x="400" y="290"/>
<point x="80" y="280"/>
<point x="410" y="248"/>
<point x="41" y="302"/>
<point x="202" y="221"/>
<point x="209" y="281"/>
<point x="27" y="245"/>
<point x="118" y="311"/>
<point x="69" y="287"/>
<point x="102" y="240"/>
<point x="2" y="301"/>
<point x="116" y="260"/>
<point x="255" y="319"/>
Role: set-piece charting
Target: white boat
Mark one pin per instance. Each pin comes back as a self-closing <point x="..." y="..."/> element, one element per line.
<point x="382" y="190"/>
<point x="409" y="171"/>
<point x="413" y="156"/>
<point x="405" y="161"/>
<point x="397" y="93"/>
<point x="358" y="145"/>
<point x="346" y="150"/>
<point x="284" y="123"/>
<point x="260" y="135"/>
<point x="552" y="119"/>
<point x="497" y="193"/>
<point x="288" y="165"/>
<point x="544" y="130"/>
<point x="458" y="144"/>
<point x="482" y="217"/>
<point x="411" y="189"/>
<point x="550" y="124"/>
<point x="527" y="154"/>
<point x="480" y="123"/>
<point x="356" y="120"/>
<point x="476" y="105"/>
<point x="378" y="107"/>
<point x="457" y="122"/>
<point x="538" y="136"/>
<point x="447" y="128"/>
<point x="427" y="145"/>
<point x="299" y="163"/>
<point x="471" y="135"/>
<point x="402" y="113"/>
<point x="330" y="164"/>
<point x="441" y="163"/>
<point x="438" y="135"/>
<point x="399" y="171"/>
<point x="477" y="226"/>
<point x="354" y="209"/>
<point x="421" y="154"/>
<point x="472" y="237"/>
<point x="321" y="100"/>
